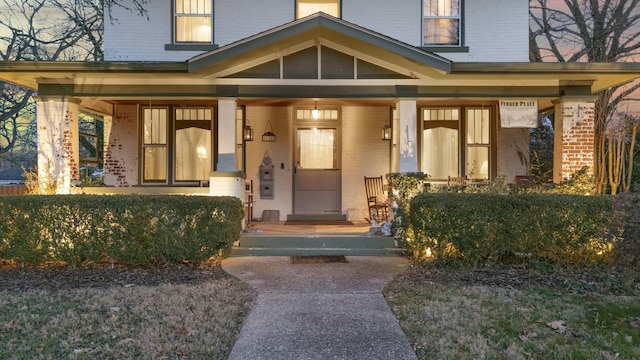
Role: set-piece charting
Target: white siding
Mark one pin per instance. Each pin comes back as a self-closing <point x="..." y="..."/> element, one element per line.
<point x="513" y="153"/>
<point x="364" y="153"/>
<point x="238" y="19"/>
<point x="130" y="37"/>
<point x="398" y="19"/>
<point x="279" y="151"/>
<point x="495" y="30"/>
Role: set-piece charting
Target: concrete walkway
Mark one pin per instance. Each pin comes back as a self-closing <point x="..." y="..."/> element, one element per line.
<point x="319" y="311"/>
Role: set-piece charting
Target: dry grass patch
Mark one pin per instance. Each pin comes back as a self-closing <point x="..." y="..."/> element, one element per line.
<point x="198" y="318"/>
<point x="462" y="320"/>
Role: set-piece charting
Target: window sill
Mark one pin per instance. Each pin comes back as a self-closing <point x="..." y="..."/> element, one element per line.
<point x="190" y="47"/>
<point x="446" y="49"/>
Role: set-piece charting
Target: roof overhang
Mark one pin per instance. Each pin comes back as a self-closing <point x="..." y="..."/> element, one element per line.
<point x="426" y="75"/>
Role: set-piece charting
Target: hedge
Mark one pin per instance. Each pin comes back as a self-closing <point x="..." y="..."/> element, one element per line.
<point x="490" y="228"/>
<point x="131" y="229"/>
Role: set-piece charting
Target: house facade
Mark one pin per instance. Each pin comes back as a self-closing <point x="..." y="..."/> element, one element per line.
<point x="302" y="99"/>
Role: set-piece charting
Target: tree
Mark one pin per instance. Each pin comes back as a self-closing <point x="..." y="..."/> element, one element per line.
<point x="47" y="30"/>
<point x="591" y="31"/>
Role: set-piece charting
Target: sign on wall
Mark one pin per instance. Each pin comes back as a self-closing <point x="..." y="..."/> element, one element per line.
<point x="519" y="113"/>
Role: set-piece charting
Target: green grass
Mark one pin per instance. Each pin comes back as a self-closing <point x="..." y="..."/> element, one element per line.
<point x="146" y="322"/>
<point x="466" y="321"/>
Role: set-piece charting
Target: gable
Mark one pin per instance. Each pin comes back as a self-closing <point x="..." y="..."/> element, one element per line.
<point x="317" y="62"/>
<point x="319" y="47"/>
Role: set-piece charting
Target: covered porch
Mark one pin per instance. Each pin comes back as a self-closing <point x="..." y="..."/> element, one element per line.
<point x="295" y="116"/>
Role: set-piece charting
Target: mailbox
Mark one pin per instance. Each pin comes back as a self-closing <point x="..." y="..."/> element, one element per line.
<point x="266" y="178"/>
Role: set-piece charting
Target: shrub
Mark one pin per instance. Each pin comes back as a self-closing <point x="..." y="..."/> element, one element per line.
<point x="132" y="229"/>
<point x="626" y="217"/>
<point x="477" y="228"/>
<point x="404" y="186"/>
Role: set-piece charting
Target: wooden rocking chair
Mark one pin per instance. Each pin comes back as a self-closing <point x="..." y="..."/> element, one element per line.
<point x="377" y="200"/>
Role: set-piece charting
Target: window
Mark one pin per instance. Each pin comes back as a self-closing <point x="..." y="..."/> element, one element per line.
<point x="177" y="145"/>
<point x="445" y="152"/>
<point x="193" y="21"/>
<point x="310" y="7"/>
<point x="441" y="23"/>
<point x="440" y="150"/>
<point x="478" y="143"/>
<point x="154" y="144"/>
<point x="193" y="144"/>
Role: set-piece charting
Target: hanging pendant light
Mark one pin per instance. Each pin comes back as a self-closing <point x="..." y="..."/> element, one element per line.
<point x="315" y="113"/>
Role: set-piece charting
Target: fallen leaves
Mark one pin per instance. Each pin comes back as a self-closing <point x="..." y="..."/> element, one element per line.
<point x="559" y="326"/>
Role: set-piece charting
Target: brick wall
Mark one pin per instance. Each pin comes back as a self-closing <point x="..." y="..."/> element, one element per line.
<point x="574" y="139"/>
<point x="121" y="147"/>
<point x="58" y="155"/>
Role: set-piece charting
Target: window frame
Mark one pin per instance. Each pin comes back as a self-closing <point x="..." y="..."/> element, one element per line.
<point x="171" y="144"/>
<point x="295" y="10"/>
<point x="190" y="45"/>
<point x="463" y="143"/>
<point x="460" y="47"/>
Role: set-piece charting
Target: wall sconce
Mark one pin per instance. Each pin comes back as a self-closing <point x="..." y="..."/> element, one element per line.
<point x="315" y="113"/>
<point x="386" y="132"/>
<point x="247" y="133"/>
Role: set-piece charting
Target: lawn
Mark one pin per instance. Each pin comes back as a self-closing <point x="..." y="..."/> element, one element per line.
<point x="502" y="313"/>
<point x="147" y="313"/>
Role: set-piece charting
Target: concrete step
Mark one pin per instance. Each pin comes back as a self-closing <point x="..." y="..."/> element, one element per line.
<point x="282" y="245"/>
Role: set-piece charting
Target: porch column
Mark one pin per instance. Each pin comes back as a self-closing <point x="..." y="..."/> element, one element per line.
<point x="227" y="135"/>
<point x="228" y="179"/>
<point x="58" y="156"/>
<point x="405" y="132"/>
<point x="574" y="134"/>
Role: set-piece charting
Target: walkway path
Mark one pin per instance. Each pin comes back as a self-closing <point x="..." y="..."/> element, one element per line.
<point x="319" y="311"/>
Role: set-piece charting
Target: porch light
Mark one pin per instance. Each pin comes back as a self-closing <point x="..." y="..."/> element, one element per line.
<point x="386" y="132"/>
<point x="247" y="133"/>
<point x="268" y="135"/>
<point x="315" y="113"/>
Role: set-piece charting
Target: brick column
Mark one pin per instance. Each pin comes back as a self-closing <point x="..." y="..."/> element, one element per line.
<point x="58" y="156"/>
<point x="406" y="133"/>
<point x="574" y="137"/>
<point x="121" y="146"/>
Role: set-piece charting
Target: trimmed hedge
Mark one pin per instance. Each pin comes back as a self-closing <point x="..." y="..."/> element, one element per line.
<point x="490" y="228"/>
<point x="131" y="229"/>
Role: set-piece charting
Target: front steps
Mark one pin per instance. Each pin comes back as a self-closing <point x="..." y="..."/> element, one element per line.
<point x="315" y="245"/>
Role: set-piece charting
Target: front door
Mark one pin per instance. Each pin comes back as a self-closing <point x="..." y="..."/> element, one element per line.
<point x="317" y="171"/>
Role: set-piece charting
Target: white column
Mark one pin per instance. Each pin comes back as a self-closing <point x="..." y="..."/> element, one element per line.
<point x="58" y="153"/>
<point x="407" y="129"/>
<point x="227" y="135"/>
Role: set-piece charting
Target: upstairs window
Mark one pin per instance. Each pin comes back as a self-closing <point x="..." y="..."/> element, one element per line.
<point x="310" y="7"/>
<point x="441" y="23"/>
<point x="193" y="21"/>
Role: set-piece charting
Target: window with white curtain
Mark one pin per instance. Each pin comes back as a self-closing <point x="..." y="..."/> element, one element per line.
<point x="440" y="144"/>
<point x="193" y="21"/>
<point x="310" y="7"/>
<point x="193" y="144"/>
<point x="456" y="141"/>
<point x="441" y="22"/>
<point x="316" y="148"/>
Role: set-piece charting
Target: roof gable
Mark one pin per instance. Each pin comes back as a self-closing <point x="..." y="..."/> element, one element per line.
<point x="329" y="36"/>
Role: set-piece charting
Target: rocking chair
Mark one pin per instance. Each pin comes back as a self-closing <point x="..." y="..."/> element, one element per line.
<point x="377" y="198"/>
